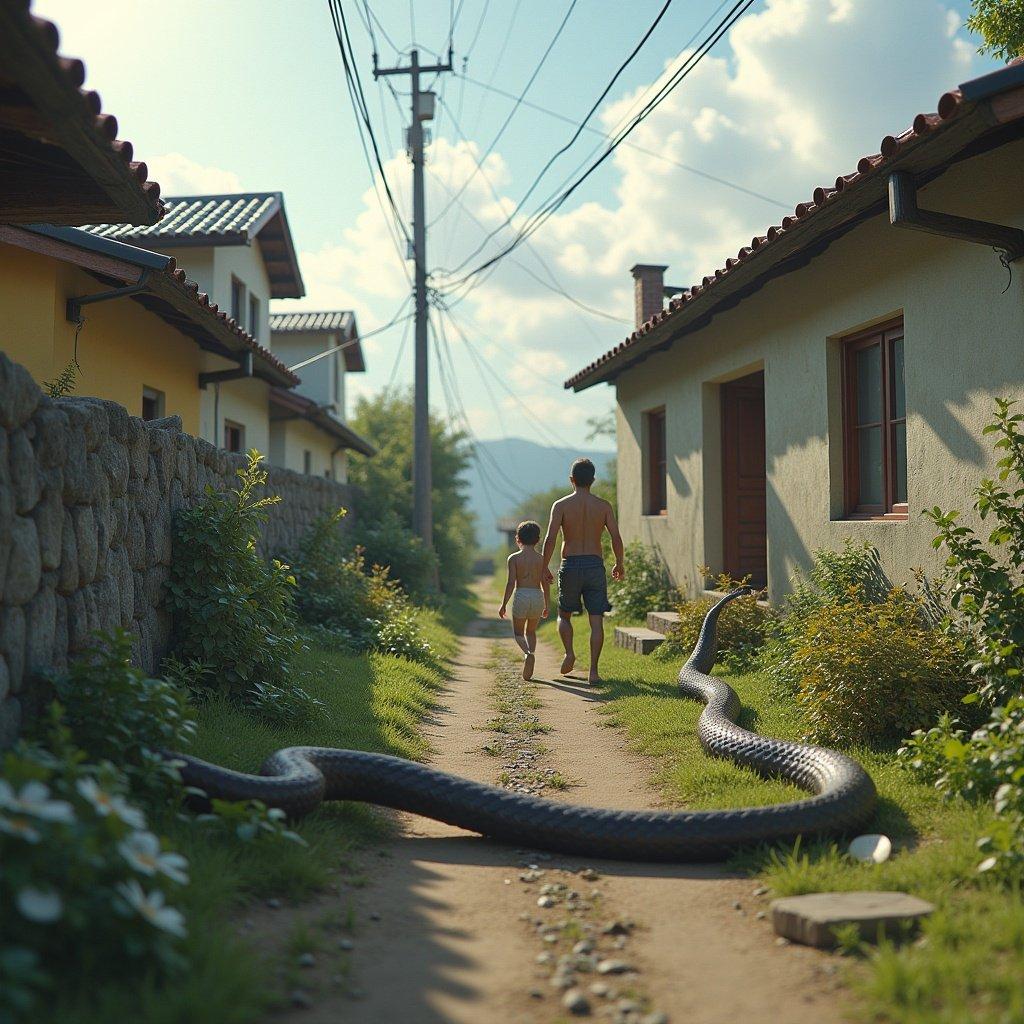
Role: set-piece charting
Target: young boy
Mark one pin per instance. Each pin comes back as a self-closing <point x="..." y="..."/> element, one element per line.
<point x="530" y="603"/>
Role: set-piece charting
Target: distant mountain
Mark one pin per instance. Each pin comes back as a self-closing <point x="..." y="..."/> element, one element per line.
<point x="507" y="470"/>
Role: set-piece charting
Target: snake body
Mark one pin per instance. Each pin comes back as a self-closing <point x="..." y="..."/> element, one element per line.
<point x="299" y="779"/>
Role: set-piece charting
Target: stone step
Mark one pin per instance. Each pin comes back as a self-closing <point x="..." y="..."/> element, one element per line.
<point x="637" y="639"/>
<point x="812" y="919"/>
<point x="662" y="622"/>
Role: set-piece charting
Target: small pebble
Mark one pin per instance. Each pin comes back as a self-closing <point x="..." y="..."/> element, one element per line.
<point x="761" y="890"/>
<point x="576" y="1003"/>
<point x="629" y="1006"/>
<point x="300" y="999"/>
<point x="374" y="916"/>
<point x="589" y="875"/>
<point x="737" y="905"/>
<point x="613" y="967"/>
<point x="356" y="993"/>
<point x="550" y="938"/>
<point x="536" y="993"/>
<point x="346" y="944"/>
<point x="620" y="942"/>
<point x="545" y="901"/>
<point x="274" y="903"/>
<point x="584" y="946"/>
<point x="599" y="989"/>
<point x="545" y="959"/>
<point x="761" y="915"/>
<point x="780" y="941"/>
<point x="655" y="1018"/>
<point x="307" y="960"/>
<point x="561" y="980"/>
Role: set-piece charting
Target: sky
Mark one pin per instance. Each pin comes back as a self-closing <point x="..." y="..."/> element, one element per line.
<point x="228" y="95"/>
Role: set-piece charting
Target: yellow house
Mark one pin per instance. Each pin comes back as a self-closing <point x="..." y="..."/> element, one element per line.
<point x="239" y="249"/>
<point x="136" y="330"/>
<point x="833" y="379"/>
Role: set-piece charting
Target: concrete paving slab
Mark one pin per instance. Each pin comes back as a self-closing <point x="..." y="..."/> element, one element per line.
<point x="812" y="919"/>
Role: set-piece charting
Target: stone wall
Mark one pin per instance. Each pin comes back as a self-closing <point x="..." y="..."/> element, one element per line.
<point x="87" y="498"/>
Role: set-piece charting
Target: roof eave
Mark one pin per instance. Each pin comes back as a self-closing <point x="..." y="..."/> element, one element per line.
<point x="974" y="128"/>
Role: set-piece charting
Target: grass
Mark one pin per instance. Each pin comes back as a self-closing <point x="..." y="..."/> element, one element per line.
<point x="966" y="966"/>
<point x="374" y="702"/>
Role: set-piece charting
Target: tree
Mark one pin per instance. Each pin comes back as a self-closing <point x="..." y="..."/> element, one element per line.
<point x="1000" y="23"/>
<point x="385" y="420"/>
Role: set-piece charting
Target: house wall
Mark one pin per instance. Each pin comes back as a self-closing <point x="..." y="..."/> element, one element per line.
<point x="322" y="380"/>
<point x="88" y="496"/>
<point x="291" y="439"/>
<point x="964" y="323"/>
<point x="121" y="348"/>
<point x="244" y="401"/>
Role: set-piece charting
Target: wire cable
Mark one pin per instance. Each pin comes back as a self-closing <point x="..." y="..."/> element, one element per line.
<point x="396" y="319"/>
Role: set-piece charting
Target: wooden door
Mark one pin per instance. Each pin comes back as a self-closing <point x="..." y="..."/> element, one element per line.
<point x="744" y="542"/>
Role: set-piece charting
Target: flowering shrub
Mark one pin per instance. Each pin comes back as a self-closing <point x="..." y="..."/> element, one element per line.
<point x="87" y="889"/>
<point x="116" y="713"/>
<point x="233" y="611"/>
<point x="647" y="586"/>
<point x="741" y="629"/>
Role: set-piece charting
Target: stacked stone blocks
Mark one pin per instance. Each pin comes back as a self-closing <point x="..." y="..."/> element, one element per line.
<point x="88" y="495"/>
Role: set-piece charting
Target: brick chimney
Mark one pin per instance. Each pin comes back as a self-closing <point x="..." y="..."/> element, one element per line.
<point x="648" y="291"/>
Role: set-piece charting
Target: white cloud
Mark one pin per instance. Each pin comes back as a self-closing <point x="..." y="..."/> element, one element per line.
<point x="803" y="89"/>
<point x="178" y="175"/>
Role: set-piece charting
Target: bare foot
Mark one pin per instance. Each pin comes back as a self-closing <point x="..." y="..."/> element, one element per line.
<point x="568" y="662"/>
<point x="593" y="679"/>
<point x="528" y="662"/>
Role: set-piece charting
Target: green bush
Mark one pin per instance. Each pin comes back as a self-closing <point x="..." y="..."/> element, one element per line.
<point x="647" y="586"/>
<point x="985" y="583"/>
<point x="345" y="605"/>
<point x="87" y="891"/>
<point x="741" y="629"/>
<point x="233" y="611"/>
<point x="386" y="541"/>
<point x="116" y="713"/>
<point x="870" y="673"/>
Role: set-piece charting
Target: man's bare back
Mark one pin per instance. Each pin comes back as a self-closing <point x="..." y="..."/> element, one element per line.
<point x="582" y="517"/>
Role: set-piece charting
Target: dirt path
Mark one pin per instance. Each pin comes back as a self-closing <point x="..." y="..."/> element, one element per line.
<point x="451" y="928"/>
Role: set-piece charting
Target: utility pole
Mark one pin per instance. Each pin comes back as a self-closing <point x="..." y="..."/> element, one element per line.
<point x="422" y="110"/>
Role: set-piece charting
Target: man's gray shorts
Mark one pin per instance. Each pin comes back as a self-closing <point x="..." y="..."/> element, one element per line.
<point x="582" y="577"/>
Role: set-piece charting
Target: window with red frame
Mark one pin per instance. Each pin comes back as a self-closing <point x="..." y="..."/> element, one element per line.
<point x="875" y="424"/>
<point x="656" y="464"/>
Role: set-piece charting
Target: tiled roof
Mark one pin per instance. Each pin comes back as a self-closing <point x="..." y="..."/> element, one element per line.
<point x="334" y="321"/>
<point x="60" y="158"/>
<point x="985" y="111"/>
<point x="237" y="219"/>
<point x="299" y="405"/>
<point x="168" y="292"/>
<point x="331" y="320"/>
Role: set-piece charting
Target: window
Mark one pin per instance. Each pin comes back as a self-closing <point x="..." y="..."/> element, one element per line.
<point x="655" y="464"/>
<point x="152" y="404"/>
<point x="875" y="424"/>
<point x="234" y="436"/>
<point x="238" y="301"/>
<point x="307" y="461"/>
<point x="254" y="317"/>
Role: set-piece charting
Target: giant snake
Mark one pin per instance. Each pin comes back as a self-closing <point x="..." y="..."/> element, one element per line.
<point x="299" y="779"/>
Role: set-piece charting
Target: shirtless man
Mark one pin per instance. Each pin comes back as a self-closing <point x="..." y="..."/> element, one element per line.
<point x="582" y="517"/>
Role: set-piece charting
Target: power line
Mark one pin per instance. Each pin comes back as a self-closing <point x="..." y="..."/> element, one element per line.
<point x="632" y="145"/>
<point x="399" y="354"/>
<point x="519" y="99"/>
<point x="540" y="216"/>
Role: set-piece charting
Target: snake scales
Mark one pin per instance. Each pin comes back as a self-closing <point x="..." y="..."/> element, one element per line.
<point x="298" y="779"/>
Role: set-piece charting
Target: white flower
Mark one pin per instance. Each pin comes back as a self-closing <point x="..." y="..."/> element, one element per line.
<point x="150" y="907"/>
<point x="109" y="803"/>
<point x="34" y="799"/>
<point x="142" y="851"/>
<point x="20" y="829"/>
<point x="40" y="905"/>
